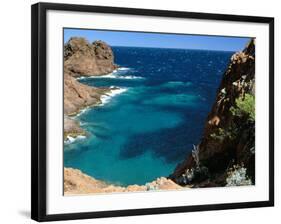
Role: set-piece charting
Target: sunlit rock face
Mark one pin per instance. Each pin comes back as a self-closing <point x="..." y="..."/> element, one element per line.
<point x="76" y="182"/>
<point x="84" y="59"/>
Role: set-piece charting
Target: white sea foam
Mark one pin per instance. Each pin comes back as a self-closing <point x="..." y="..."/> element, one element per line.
<point x="116" y="74"/>
<point x="113" y="92"/>
<point x="109" y="76"/>
<point x="81" y="77"/>
<point x="82" y="111"/>
<point x="70" y="139"/>
<point x="129" y="77"/>
<point x="123" y="69"/>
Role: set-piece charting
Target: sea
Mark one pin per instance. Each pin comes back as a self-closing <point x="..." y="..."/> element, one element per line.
<point x="143" y="129"/>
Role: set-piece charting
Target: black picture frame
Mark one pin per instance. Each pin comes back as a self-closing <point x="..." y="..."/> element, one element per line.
<point x="39" y="122"/>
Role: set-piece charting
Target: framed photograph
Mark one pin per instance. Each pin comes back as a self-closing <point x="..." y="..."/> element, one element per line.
<point x="139" y="111"/>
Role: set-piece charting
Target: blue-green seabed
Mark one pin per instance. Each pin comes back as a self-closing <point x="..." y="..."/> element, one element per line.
<point x="145" y="131"/>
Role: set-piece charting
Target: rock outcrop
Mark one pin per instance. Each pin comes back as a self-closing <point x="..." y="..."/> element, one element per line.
<point x="76" y="182"/>
<point x="72" y="128"/>
<point x="84" y="59"/>
<point x="229" y="134"/>
<point x="78" y="95"/>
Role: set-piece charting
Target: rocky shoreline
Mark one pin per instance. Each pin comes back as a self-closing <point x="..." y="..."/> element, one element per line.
<point x="83" y="59"/>
<point x="76" y="182"/>
<point x="225" y="155"/>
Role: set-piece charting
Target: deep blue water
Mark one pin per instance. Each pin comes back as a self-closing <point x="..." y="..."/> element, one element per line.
<point x="144" y="132"/>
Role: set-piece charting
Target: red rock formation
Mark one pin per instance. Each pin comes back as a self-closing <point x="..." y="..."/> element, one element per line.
<point x="78" y="95"/>
<point x="84" y="59"/>
<point x="227" y="139"/>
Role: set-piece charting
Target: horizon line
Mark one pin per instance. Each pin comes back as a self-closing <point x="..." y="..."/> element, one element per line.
<point x="199" y="49"/>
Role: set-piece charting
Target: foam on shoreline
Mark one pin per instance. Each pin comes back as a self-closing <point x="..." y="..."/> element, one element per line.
<point x="82" y="111"/>
<point x="113" y="92"/>
<point x="104" y="98"/>
<point x="70" y="139"/>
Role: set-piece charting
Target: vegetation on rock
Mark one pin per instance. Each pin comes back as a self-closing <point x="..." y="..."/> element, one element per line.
<point x="229" y="135"/>
<point x="245" y="106"/>
<point x="237" y="176"/>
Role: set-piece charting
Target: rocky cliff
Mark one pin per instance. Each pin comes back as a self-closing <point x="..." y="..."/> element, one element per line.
<point x="83" y="59"/>
<point x="78" y="95"/>
<point x="227" y="147"/>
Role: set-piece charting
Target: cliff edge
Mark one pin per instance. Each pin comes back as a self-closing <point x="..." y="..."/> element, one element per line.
<point x="227" y="147"/>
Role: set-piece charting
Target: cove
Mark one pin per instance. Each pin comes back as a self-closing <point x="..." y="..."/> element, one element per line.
<point x="142" y="132"/>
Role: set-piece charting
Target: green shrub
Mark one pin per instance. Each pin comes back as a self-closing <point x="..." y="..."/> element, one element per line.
<point x="245" y="106"/>
<point x="222" y="134"/>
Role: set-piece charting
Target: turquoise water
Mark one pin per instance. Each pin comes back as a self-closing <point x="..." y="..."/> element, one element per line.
<point x="145" y="131"/>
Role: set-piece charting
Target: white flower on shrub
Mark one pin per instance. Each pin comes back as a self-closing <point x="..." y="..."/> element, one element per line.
<point x="187" y="176"/>
<point x="237" y="176"/>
